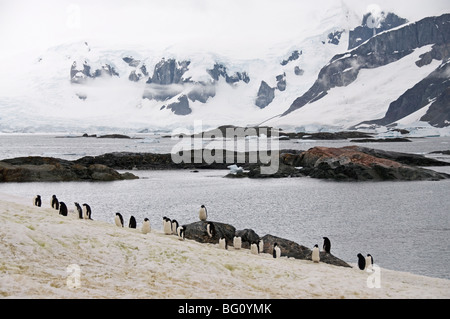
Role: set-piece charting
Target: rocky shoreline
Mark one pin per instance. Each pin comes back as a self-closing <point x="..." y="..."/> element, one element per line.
<point x="350" y="163"/>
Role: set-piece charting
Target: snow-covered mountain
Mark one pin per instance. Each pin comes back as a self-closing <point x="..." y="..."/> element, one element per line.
<point x="348" y="72"/>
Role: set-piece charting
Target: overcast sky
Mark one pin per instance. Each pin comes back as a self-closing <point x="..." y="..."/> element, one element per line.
<point x="30" y="24"/>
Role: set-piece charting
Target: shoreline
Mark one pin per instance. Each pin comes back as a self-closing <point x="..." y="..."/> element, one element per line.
<point x="39" y="245"/>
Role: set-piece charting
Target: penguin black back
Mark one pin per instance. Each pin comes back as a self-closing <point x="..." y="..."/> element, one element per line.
<point x="37" y="201"/>
<point x="79" y="210"/>
<point x="55" y="202"/>
<point x="87" y="211"/>
<point x="361" y="261"/>
<point x="132" y="223"/>
<point x="326" y="244"/>
<point x="62" y="209"/>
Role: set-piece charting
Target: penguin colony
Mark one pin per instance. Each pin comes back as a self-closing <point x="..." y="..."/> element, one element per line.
<point x="172" y="227"/>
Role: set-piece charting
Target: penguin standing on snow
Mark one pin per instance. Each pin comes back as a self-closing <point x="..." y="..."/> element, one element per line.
<point x="276" y="251"/>
<point x="79" y="210"/>
<point x="62" y="209"/>
<point x="260" y="246"/>
<point x="132" y="223"/>
<point x="223" y="243"/>
<point x="361" y="261"/>
<point x="181" y="232"/>
<point x="326" y="245"/>
<point x="118" y="220"/>
<point x="167" y="225"/>
<point x="146" y="226"/>
<point x="55" y="202"/>
<point x="237" y="242"/>
<point x="210" y="229"/>
<point x="175" y="226"/>
<point x="254" y="248"/>
<point x="37" y="201"/>
<point x="87" y="211"/>
<point x="203" y="213"/>
<point x="315" y="256"/>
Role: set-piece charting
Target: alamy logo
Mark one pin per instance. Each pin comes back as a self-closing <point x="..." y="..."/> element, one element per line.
<point x="73" y="279"/>
<point x="374" y="279"/>
<point x="232" y="145"/>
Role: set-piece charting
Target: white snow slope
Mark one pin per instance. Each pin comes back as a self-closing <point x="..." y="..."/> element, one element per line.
<point x="46" y="255"/>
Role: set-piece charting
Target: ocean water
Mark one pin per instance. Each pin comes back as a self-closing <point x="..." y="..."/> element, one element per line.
<point x="405" y="226"/>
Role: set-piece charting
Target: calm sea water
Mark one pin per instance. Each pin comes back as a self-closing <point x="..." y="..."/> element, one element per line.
<point x="404" y="225"/>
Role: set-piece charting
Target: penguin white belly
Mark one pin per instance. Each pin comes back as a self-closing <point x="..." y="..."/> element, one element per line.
<point x="167" y="228"/>
<point x="202" y="214"/>
<point x="146" y="227"/>
<point x="315" y="255"/>
<point x="254" y="249"/>
<point x="117" y="221"/>
<point x="222" y="243"/>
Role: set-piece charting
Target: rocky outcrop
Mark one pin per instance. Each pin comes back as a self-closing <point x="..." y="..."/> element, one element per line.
<point x="80" y="73"/>
<point x="434" y="90"/>
<point x="48" y="169"/>
<point x="380" y="50"/>
<point x="197" y="231"/>
<point x="266" y="94"/>
<point x="367" y="29"/>
<point x="357" y="164"/>
<point x="180" y="107"/>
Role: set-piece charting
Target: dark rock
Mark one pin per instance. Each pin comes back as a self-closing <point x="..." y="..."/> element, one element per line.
<point x="353" y="164"/>
<point x="202" y="92"/>
<point x="48" y="169"/>
<point x="248" y="236"/>
<point x="294" y="250"/>
<point x="169" y="71"/>
<point x="131" y="61"/>
<point x="266" y="94"/>
<point x="197" y="232"/>
<point x="364" y="32"/>
<point x="298" y="71"/>
<point x="181" y="107"/>
<point x="294" y="56"/>
<point x="281" y="82"/>
<point x="335" y="37"/>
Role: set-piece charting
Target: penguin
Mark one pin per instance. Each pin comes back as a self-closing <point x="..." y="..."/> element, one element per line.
<point x="254" y="248"/>
<point x="146" y="226"/>
<point x="237" y="242"/>
<point x="223" y="243"/>
<point x="62" y="209"/>
<point x="55" y="202"/>
<point x="132" y="223"/>
<point x="174" y="226"/>
<point x="167" y="225"/>
<point x="326" y="245"/>
<point x="361" y="261"/>
<point x="260" y="246"/>
<point x="79" y="210"/>
<point x="87" y="211"/>
<point x="118" y="220"/>
<point x="315" y="256"/>
<point x="276" y="251"/>
<point x="369" y="261"/>
<point x="203" y="213"/>
<point x="210" y="229"/>
<point x="37" y="201"/>
<point x="181" y="231"/>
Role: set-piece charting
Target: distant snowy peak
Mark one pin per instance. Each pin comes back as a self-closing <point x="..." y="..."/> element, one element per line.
<point x="382" y="50"/>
